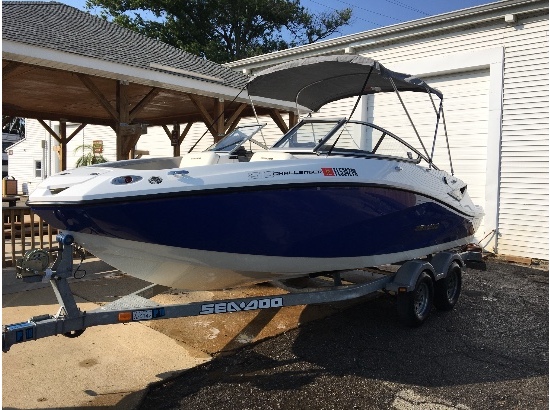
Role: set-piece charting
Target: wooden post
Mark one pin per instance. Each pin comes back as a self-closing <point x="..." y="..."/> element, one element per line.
<point x="174" y="139"/>
<point x="292" y="119"/>
<point x="123" y="118"/>
<point x="63" y="143"/>
<point x="219" y="107"/>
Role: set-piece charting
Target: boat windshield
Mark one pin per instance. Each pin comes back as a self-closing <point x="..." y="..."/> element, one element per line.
<point x="346" y="138"/>
<point x="232" y="141"/>
<point x="307" y="135"/>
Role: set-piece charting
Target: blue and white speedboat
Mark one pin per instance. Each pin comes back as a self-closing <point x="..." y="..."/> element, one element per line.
<point x="331" y="194"/>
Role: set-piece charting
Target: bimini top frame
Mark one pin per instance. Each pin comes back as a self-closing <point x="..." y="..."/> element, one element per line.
<point x="316" y="81"/>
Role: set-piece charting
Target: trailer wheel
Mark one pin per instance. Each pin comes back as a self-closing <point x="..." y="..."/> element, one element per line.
<point x="447" y="290"/>
<point x="414" y="307"/>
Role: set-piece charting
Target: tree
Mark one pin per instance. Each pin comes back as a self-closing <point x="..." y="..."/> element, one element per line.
<point x="13" y="125"/>
<point x="88" y="156"/>
<point x="224" y="30"/>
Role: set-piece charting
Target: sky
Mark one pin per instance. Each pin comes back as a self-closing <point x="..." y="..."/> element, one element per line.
<point x="370" y="14"/>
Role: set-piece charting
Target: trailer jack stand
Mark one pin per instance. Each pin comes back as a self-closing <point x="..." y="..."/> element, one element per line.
<point x="69" y="319"/>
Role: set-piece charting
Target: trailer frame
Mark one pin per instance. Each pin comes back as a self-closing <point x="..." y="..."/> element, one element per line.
<point x="70" y="321"/>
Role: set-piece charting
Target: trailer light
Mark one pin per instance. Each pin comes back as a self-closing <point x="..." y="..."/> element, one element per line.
<point x="125" y="316"/>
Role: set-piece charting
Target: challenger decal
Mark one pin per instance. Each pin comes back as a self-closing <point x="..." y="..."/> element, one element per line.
<point x="339" y="172"/>
<point x="227" y="307"/>
<point x="272" y="174"/>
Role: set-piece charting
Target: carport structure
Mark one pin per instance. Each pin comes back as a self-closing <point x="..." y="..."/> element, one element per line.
<point x="62" y="64"/>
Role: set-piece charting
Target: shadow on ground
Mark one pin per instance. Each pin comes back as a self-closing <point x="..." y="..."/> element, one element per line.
<point x="490" y="352"/>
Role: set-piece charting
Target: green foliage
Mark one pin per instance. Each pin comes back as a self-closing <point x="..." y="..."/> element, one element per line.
<point x="13" y="125"/>
<point x="224" y="30"/>
<point x="88" y="157"/>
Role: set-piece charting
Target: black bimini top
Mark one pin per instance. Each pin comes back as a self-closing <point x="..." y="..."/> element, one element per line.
<point x="315" y="81"/>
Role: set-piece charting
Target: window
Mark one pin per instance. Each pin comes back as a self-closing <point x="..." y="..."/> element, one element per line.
<point x="38" y="169"/>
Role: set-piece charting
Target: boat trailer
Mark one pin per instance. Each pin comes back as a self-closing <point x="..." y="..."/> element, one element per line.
<point x="418" y="284"/>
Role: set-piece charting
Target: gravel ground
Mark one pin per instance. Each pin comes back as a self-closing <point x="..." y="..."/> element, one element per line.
<point x="490" y="352"/>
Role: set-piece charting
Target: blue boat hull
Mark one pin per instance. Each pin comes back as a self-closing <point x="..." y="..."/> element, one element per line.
<point x="291" y="222"/>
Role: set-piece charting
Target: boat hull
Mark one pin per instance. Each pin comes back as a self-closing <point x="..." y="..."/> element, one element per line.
<point x="253" y="235"/>
<point x="191" y="269"/>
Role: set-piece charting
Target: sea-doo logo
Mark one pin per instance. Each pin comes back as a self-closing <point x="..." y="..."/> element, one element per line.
<point x="339" y="172"/>
<point x="227" y="307"/>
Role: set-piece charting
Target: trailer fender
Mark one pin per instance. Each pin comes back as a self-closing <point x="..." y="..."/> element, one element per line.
<point x="408" y="274"/>
<point x="442" y="261"/>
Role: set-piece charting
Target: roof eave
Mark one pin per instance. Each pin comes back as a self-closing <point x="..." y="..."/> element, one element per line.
<point x="414" y="28"/>
<point x="45" y="57"/>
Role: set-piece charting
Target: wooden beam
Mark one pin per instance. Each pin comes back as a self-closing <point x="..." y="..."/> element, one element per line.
<point x="167" y="131"/>
<point x="50" y="131"/>
<point x="54" y="116"/>
<point x="219" y="106"/>
<point x="130" y="145"/>
<point x="276" y="116"/>
<point x="175" y="135"/>
<point x="87" y="81"/>
<point x="203" y="112"/>
<point x="62" y="139"/>
<point x="76" y="131"/>
<point x="143" y="103"/>
<point x="235" y="117"/>
<point x="63" y="144"/>
<point x="205" y="115"/>
<point x="292" y="119"/>
<point x="233" y="126"/>
<point x="177" y="143"/>
<point x="123" y="117"/>
<point x="174" y="139"/>
<point x="9" y="68"/>
<point x="185" y="132"/>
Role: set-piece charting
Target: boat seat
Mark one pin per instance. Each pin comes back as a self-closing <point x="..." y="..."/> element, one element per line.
<point x="271" y="156"/>
<point x="199" y="158"/>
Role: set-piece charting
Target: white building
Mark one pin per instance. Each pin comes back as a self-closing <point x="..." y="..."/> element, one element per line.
<point x="490" y="62"/>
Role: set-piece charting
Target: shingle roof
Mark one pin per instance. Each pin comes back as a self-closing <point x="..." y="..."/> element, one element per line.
<point x="64" y="28"/>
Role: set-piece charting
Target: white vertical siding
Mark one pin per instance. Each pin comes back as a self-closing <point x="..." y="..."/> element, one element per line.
<point x="523" y="213"/>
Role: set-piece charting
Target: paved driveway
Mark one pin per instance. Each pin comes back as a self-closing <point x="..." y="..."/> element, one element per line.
<point x="491" y="352"/>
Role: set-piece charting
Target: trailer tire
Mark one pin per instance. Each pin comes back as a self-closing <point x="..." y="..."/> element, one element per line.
<point x="447" y="290"/>
<point x="414" y="307"/>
